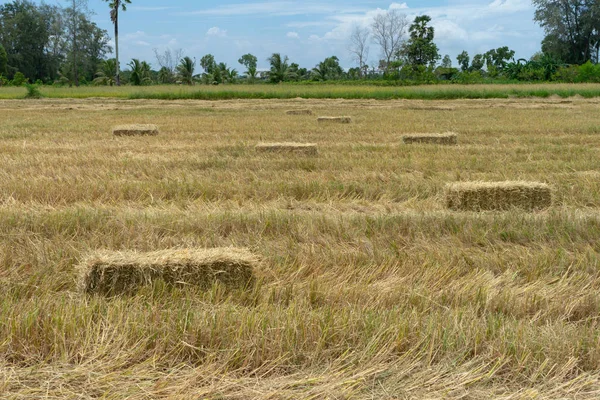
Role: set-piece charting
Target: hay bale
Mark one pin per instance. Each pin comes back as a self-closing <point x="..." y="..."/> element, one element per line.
<point x="448" y="138"/>
<point x="113" y="273"/>
<point x="482" y="196"/>
<point x="337" y="120"/>
<point x="135" y="130"/>
<point x="301" y="148"/>
<point x="299" y="112"/>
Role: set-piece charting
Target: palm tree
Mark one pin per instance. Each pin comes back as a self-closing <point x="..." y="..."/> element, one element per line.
<point x="115" y="5"/>
<point x="280" y="68"/>
<point x="106" y="73"/>
<point x="185" y="70"/>
<point x="165" y="75"/>
<point x="140" y="72"/>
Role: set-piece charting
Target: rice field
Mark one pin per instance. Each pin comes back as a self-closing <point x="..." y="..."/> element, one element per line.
<point x="367" y="286"/>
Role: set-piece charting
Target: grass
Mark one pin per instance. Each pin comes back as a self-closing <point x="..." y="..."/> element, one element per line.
<point x="370" y="288"/>
<point x="290" y="91"/>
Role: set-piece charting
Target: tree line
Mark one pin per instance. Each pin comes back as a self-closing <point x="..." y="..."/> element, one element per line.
<point x="61" y="45"/>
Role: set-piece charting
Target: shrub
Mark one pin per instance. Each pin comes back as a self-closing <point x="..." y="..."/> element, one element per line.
<point x="19" y="79"/>
<point x="33" y="92"/>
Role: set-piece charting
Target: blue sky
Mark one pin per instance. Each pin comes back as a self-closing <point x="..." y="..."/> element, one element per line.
<point x="308" y="31"/>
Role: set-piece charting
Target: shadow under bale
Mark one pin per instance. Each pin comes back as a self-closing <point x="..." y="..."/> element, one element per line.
<point x="113" y="273"/>
<point x="135" y="130"/>
<point x="299" y="148"/>
<point x="448" y="139"/>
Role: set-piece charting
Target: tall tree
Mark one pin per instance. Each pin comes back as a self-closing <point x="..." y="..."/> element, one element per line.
<point x="74" y="14"/>
<point x="251" y="63"/>
<point x="115" y="7"/>
<point x="3" y="61"/>
<point x="420" y="50"/>
<point x="389" y="29"/>
<point x="572" y="28"/>
<point x="359" y="47"/>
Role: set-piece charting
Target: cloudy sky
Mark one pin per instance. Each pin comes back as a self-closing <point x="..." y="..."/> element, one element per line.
<point x="309" y="30"/>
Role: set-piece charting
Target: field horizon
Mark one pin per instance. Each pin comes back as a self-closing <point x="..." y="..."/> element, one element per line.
<point x="369" y="287"/>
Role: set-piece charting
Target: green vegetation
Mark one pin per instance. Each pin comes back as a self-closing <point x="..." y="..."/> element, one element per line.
<point x="317" y="91"/>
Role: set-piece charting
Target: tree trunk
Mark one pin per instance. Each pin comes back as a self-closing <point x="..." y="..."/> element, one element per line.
<point x="117" y="77"/>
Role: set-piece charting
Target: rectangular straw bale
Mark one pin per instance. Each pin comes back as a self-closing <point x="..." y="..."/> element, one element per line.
<point x="448" y="138"/>
<point x="112" y="273"/>
<point x="338" y="120"/>
<point x="135" y="130"/>
<point x="299" y="112"/>
<point x="483" y="196"/>
<point x="303" y="148"/>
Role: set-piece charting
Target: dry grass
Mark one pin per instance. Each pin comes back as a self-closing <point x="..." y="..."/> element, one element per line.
<point x="335" y="120"/>
<point x="299" y="112"/>
<point x="481" y="196"/>
<point x="135" y="130"/>
<point x="448" y="138"/>
<point x="368" y="287"/>
<point x="303" y="148"/>
<point x="111" y="273"/>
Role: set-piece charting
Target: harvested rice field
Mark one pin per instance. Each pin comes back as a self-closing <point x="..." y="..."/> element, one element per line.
<point x="364" y="283"/>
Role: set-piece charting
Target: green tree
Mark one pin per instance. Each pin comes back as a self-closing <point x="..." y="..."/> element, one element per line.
<point x="280" y="69"/>
<point x="185" y="70"/>
<point x="477" y="63"/>
<point x="251" y="63"/>
<point x="165" y="75"/>
<point x="572" y="28"/>
<point x="329" y="69"/>
<point x="446" y="62"/>
<point x="106" y="72"/>
<point x="140" y="73"/>
<point x="25" y="34"/>
<point x="463" y="61"/>
<point x="498" y="58"/>
<point x="420" y="50"/>
<point x="208" y="63"/>
<point x="3" y="61"/>
<point x="115" y="7"/>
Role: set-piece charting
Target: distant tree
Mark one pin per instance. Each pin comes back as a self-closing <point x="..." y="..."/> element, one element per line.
<point x="572" y="28"/>
<point x="280" y="69"/>
<point x="115" y="7"/>
<point x="165" y="75"/>
<point x="75" y="18"/>
<point x="359" y="47"/>
<point x="420" y="50"/>
<point x="139" y="73"/>
<point x="106" y="73"/>
<point x="477" y="63"/>
<point x="463" y="61"/>
<point x="389" y="29"/>
<point x="251" y="63"/>
<point x="447" y="62"/>
<point x="328" y="69"/>
<point x="208" y="63"/>
<point x="168" y="60"/>
<point x="185" y="70"/>
<point x="498" y="58"/>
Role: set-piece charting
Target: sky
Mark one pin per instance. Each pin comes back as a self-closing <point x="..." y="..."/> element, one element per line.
<point x="308" y="31"/>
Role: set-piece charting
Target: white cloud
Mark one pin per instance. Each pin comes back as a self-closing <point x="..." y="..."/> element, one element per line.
<point x="275" y="8"/>
<point x="216" y="31"/>
<point x="293" y="35"/>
